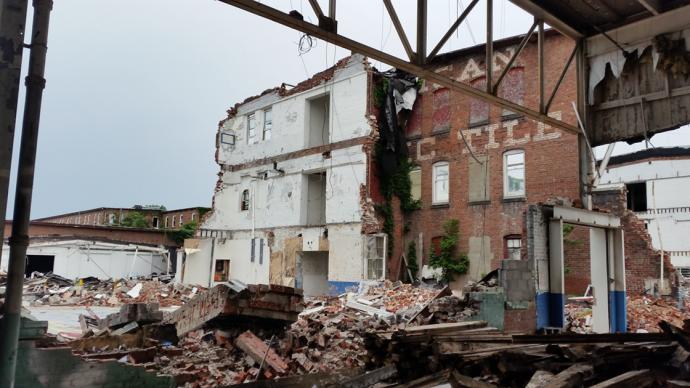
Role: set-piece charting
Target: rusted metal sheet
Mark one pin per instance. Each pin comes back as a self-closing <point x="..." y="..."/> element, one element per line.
<point x="236" y="300"/>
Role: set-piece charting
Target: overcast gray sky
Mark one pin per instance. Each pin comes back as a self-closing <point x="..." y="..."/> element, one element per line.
<point x="135" y="89"/>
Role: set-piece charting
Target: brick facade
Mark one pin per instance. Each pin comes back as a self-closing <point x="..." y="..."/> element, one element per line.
<point x="641" y="259"/>
<point x="434" y="135"/>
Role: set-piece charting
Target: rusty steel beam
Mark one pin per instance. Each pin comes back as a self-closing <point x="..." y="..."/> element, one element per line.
<point x="540" y="59"/>
<point x="426" y="73"/>
<point x="399" y="29"/>
<point x="317" y="9"/>
<point x="540" y="13"/>
<point x="561" y="77"/>
<point x="514" y="57"/>
<point x="451" y="30"/>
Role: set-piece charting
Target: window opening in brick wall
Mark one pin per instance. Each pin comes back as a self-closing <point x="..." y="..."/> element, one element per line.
<point x="375" y="254"/>
<point x="222" y="272"/>
<point x="416" y="183"/>
<point x="440" y="189"/>
<point x="512" y="247"/>
<point x="479" y="109"/>
<point x="251" y="128"/>
<point x="268" y="124"/>
<point x="441" y="110"/>
<point x="319" y="120"/>
<point x="316" y="199"/>
<point x="514" y="174"/>
<point x="637" y="196"/>
<point x="512" y="89"/>
<point x="244" y="202"/>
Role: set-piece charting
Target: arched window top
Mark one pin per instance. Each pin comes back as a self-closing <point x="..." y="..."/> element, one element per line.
<point x="244" y="200"/>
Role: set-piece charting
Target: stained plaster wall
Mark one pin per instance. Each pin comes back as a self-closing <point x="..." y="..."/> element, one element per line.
<point x="278" y="212"/>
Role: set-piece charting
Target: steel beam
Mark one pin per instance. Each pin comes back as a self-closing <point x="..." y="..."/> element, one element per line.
<point x="19" y="241"/>
<point x="540" y="13"/>
<point x="421" y="31"/>
<point x="12" y="24"/>
<point x="540" y="66"/>
<point x="426" y="73"/>
<point x="514" y="57"/>
<point x="489" y="45"/>
<point x="317" y="9"/>
<point x="399" y="29"/>
<point x="652" y="6"/>
<point x="561" y="77"/>
<point x="451" y="30"/>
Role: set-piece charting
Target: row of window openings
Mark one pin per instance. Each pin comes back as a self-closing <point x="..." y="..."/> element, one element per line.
<point x="173" y="218"/>
<point x="251" y="127"/>
<point x="513" y="178"/>
<point x="111" y="220"/>
<point x="512" y="246"/>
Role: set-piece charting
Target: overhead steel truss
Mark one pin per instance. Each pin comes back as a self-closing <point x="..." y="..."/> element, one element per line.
<point x="419" y="62"/>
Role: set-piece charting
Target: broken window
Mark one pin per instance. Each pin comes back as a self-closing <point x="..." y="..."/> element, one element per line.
<point x="514" y="174"/>
<point x="416" y="183"/>
<point x="154" y="222"/>
<point x="181" y="222"/>
<point x="193" y="217"/>
<point x="441" y="113"/>
<point x="222" y="271"/>
<point x="414" y="123"/>
<point x="319" y="120"/>
<point x="513" y="245"/>
<point x="166" y="222"/>
<point x="173" y="222"/>
<point x="479" y="109"/>
<point x="111" y="218"/>
<point x="244" y="201"/>
<point x="268" y="124"/>
<point x="440" y="188"/>
<point x="637" y="196"/>
<point x="375" y="254"/>
<point x="251" y="128"/>
<point x="512" y="89"/>
<point x="316" y="199"/>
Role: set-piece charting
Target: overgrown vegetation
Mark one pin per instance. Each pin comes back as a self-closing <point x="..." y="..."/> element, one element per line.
<point x="186" y="231"/>
<point x="412" y="264"/>
<point x="447" y="259"/>
<point x="135" y="220"/>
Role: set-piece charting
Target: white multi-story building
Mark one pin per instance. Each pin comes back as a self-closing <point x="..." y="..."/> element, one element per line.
<point x="292" y="205"/>
<point x="658" y="191"/>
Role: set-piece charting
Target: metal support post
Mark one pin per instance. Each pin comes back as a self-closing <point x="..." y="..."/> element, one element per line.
<point x="19" y="241"/>
<point x="12" y="25"/>
<point x="421" y="31"/>
<point x="540" y="59"/>
<point x="489" y="45"/>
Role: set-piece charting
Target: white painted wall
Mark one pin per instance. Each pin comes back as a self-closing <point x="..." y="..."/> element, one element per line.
<point x="80" y="258"/>
<point x="669" y="182"/>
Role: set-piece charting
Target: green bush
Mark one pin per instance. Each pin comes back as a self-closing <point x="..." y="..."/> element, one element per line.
<point x="135" y="220"/>
<point x="446" y="259"/>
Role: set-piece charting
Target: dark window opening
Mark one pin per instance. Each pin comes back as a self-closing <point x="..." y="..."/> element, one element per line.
<point x="222" y="271"/>
<point x="637" y="196"/>
<point x="244" y="203"/>
<point x="39" y="263"/>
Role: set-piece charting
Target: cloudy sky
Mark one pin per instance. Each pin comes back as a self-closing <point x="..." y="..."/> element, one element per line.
<point x="135" y="89"/>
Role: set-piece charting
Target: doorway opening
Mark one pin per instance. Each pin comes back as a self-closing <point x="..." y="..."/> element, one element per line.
<point x="39" y="263"/>
<point x="314" y="273"/>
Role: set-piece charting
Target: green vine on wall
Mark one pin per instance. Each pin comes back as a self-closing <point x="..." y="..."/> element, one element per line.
<point x="412" y="264"/>
<point x="446" y="259"/>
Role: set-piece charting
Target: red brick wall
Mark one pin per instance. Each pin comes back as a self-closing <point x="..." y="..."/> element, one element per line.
<point x="577" y="261"/>
<point x="552" y="168"/>
<point x="120" y="234"/>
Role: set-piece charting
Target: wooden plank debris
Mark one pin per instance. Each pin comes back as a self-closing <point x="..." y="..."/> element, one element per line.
<point x="638" y="378"/>
<point x="258" y="350"/>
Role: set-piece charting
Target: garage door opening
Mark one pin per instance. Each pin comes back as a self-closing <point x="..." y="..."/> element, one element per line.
<point x="39" y="263"/>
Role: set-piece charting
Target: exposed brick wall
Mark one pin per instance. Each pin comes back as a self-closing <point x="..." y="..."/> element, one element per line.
<point x="577" y="260"/>
<point x="552" y="167"/>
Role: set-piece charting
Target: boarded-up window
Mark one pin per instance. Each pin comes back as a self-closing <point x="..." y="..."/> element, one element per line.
<point x="479" y="110"/>
<point x="441" y="112"/>
<point x="512" y="89"/>
<point x="416" y="183"/>
<point x="479" y="187"/>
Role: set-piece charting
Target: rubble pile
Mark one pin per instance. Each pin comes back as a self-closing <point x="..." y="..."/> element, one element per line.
<point x="645" y="313"/>
<point x="51" y="289"/>
<point x="451" y="309"/>
<point x="578" y="318"/>
<point x="394" y="297"/>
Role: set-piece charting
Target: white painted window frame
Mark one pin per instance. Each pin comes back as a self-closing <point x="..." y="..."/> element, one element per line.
<point x="251" y="130"/>
<point x="506" y="189"/>
<point x="436" y="199"/>
<point x="365" y="257"/>
<point x="268" y="124"/>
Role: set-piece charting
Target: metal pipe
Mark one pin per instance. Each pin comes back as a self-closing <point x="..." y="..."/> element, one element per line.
<point x="421" y="31"/>
<point x="19" y="241"/>
<point x="12" y="25"/>
<point x="489" y="45"/>
<point x="540" y="59"/>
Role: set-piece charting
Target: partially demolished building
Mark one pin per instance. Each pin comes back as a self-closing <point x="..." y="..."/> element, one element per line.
<point x="293" y="201"/>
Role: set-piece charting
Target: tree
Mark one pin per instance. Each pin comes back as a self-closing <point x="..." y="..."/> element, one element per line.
<point x="446" y="259"/>
<point x="135" y="220"/>
<point x="186" y="231"/>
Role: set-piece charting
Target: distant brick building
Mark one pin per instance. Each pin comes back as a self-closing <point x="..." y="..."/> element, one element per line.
<point x="481" y="164"/>
<point x="157" y="217"/>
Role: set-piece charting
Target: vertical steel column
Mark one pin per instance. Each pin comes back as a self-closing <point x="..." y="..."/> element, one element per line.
<point x="489" y="46"/>
<point x="12" y="24"/>
<point x="421" y="31"/>
<point x="540" y="59"/>
<point x="331" y="9"/>
<point x="19" y="241"/>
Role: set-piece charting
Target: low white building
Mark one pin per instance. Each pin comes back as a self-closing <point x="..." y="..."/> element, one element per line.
<point x="80" y="258"/>
<point x="292" y="205"/>
<point x="658" y="191"/>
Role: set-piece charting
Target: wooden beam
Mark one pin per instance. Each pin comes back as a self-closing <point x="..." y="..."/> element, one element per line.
<point x="451" y="30"/>
<point x="638" y="378"/>
<point x="317" y="8"/>
<point x="652" y="6"/>
<point x="399" y="29"/>
<point x="426" y="73"/>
